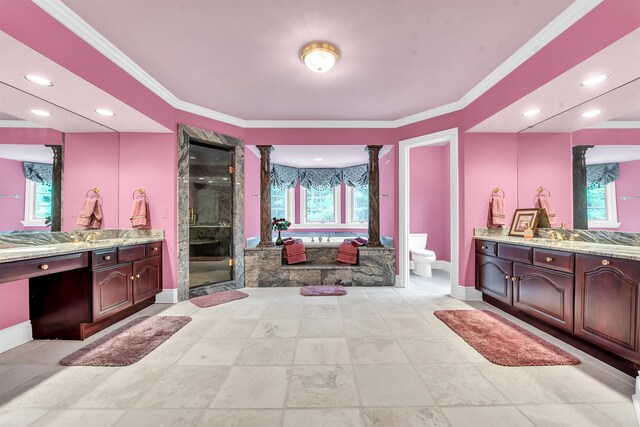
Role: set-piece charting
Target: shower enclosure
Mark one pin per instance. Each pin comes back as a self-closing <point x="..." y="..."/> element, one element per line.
<point x="210" y="214"/>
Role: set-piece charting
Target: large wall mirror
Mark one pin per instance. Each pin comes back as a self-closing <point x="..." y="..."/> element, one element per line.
<point x="48" y="158"/>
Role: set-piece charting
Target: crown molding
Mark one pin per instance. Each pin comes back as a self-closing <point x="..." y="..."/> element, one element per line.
<point x="20" y="124"/>
<point x="616" y="125"/>
<point x="69" y="19"/>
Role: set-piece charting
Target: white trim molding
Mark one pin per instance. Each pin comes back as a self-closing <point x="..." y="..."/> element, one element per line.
<point x="15" y="335"/>
<point x="446" y="136"/>
<point x="167" y="296"/>
<point x="468" y="293"/>
<point x="72" y="21"/>
<point x="621" y="124"/>
<point x="20" y="124"/>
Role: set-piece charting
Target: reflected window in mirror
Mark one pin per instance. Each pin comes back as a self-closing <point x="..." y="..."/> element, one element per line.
<point x="357" y="209"/>
<point x="37" y="204"/>
<point x="602" y="209"/>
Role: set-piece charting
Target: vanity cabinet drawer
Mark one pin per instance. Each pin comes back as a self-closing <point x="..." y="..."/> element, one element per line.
<point x="131" y="253"/>
<point x="42" y="266"/>
<point x="154" y="249"/>
<point x="555" y="260"/>
<point x="104" y="258"/>
<point x="486" y="248"/>
<point x="515" y="253"/>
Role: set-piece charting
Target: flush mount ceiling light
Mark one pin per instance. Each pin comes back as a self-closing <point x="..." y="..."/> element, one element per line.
<point x="532" y="112"/>
<point x="40" y="113"/>
<point x="38" y="80"/>
<point x="319" y="57"/>
<point x="591" y="113"/>
<point x="594" y="80"/>
<point x="105" y="112"/>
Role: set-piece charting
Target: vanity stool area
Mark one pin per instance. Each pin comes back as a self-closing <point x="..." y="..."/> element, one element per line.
<point x="78" y="289"/>
<point x="587" y="291"/>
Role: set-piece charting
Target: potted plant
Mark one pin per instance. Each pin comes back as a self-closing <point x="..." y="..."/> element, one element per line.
<point x="280" y="224"/>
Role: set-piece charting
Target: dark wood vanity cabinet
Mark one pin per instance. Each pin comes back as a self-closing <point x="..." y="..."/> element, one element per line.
<point x="607" y="304"/>
<point x="112" y="290"/>
<point x="591" y="297"/>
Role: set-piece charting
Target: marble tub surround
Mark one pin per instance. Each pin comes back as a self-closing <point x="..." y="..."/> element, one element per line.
<point x="614" y="250"/>
<point x="264" y="267"/>
<point x="38" y="245"/>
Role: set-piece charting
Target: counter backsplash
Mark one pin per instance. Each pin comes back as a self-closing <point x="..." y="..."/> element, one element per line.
<point x="10" y="240"/>
<point x="603" y="237"/>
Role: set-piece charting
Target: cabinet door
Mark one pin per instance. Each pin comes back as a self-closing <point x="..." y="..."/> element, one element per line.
<point x="607" y="303"/>
<point x="545" y="294"/>
<point x="111" y="290"/>
<point x="147" y="278"/>
<point x="493" y="277"/>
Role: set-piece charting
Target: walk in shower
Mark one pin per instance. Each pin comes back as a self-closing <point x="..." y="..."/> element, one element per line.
<point x="210" y="214"/>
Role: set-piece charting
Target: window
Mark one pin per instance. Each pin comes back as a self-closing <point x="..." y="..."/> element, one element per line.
<point x="601" y="207"/>
<point x="357" y="205"/>
<point x="282" y="201"/>
<point x="320" y="206"/>
<point x="37" y="204"/>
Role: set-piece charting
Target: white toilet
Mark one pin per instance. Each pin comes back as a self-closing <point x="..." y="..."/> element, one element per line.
<point x="421" y="258"/>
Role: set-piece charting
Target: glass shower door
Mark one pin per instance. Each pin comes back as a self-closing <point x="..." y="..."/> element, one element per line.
<point x="210" y="215"/>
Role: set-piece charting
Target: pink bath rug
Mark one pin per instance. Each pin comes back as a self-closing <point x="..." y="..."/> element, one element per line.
<point x="218" y="298"/>
<point x="503" y="342"/>
<point x="322" y="290"/>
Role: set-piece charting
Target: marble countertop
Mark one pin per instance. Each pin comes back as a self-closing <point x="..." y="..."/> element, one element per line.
<point x="20" y="253"/>
<point x="601" y="249"/>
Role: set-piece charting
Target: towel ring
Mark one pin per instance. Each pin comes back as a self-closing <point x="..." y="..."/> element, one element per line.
<point x="541" y="189"/>
<point x="140" y="191"/>
<point x="496" y="189"/>
<point x="95" y="191"/>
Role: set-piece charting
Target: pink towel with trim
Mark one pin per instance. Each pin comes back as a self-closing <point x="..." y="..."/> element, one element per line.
<point x="90" y="214"/>
<point x="496" y="211"/>
<point x="544" y="202"/>
<point x="140" y="213"/>
<point x="347" y="253"/>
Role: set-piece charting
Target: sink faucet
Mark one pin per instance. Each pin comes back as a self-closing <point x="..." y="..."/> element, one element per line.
<point x="91" y="237"/>
<point x="556" y="235"/>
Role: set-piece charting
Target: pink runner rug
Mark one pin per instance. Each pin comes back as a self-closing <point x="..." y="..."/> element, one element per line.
<point x="322" y="290"/>
<point x="218" y="298"/>
<point x="129" y="343"/>
<point x="503" y="342"/>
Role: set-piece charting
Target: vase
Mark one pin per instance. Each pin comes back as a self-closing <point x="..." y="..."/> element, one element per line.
<point x="279" y="239"/>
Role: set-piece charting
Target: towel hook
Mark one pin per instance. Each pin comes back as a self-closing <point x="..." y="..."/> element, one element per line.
<point x="496" y="189"/>
<point x="139" y="190"/>
<point x="541" y="189"/>
<point x="96" y="191"/>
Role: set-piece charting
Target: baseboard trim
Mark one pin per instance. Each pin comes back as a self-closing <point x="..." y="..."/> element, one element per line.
<point x="167" y="296"/>
<point x="440" y="264"/>
<point x="15" y="335"/>
<point x="469" y="293"/>
<point x="398" y="281"/>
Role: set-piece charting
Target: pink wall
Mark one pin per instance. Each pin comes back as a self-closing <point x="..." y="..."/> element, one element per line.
<point x="606" y="137"/>
<point x="90" y="160"/>
<point x="628" y="184"/>
<point x="14" y="303"/>
<point x="429" y="197"/>
<point x="544" y="159"/>
<point x="12" y="181"/>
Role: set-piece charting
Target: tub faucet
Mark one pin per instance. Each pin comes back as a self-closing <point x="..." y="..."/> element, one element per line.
<point x="319" y="238"/>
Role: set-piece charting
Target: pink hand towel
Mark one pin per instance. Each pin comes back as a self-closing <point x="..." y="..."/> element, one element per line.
<point x="496" y="211"/>
<point x="544" y="202"/>
<point x="86" y="213"/>
<point x="96" y="218"/>
<point x="139" y="213"/>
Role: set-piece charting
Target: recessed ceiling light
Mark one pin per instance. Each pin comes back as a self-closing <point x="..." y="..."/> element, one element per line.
<point x="201" y="179"/>
<point x="594" y="80"/>
<point x="40" y="113"/>
<point x="105" y="112"/>
<point x="38" y="80"/>
<point x="193" y="157"/>
<point x="532" y="112"/>
<point x="210" y="182"/>
<point x="592" y="113"/>
<point x="319" y="57"/>
<point x="318" y="159"/>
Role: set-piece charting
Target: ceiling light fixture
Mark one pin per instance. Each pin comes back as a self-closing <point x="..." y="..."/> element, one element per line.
<point x="40" y="113"/>
<point x="594" y="80"/>
<point x="38" y="80"/>
<point x="591" y="113"/>
<point x="318" y="159"/>
<point x="105" y="112"/>
<point x="532" y="112"/>
<point x="319" y="57"/>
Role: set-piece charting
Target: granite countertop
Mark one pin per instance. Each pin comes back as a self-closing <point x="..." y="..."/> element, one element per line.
<point x="19" y="253"/>
<point x="601" y="249"/>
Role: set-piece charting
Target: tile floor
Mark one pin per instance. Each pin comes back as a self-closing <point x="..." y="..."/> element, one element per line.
<point x="375" y="357"/>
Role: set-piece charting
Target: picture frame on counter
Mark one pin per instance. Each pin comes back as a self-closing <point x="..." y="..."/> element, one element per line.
<point x="521" y="218"/>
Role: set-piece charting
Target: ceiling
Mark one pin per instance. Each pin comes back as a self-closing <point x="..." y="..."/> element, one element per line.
<point x="631" y="117"/>
<point x="612" y="153"/>
<point x="333" y="156"/>
<point x="241" y="57"/>
<point x="5" y="116"/>
<point x="26" y="153"/>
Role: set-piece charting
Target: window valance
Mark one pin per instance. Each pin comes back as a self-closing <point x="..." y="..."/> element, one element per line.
<point x="41" y="173"/>
<point x="319" y="178"/>
<point x="602" y="174"/>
